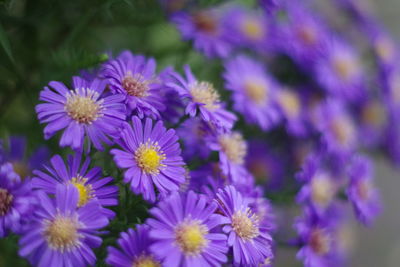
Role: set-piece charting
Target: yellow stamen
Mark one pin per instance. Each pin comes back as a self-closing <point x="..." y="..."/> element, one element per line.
<point x="190" y="237"/>
<point x="149" y="157"/>
<point x="146" y="261"/>
<point x="82" y="106"/>
<point x="320" y="241"/>
<point x="246" y="224"/>
<point x="135" y="85"/>
<point x="343" y="130"/>
<point x="62" y="233"/>
<point x="322" y="189"/>
<point x="256" y="91"/>
<point x="374" y="114"/>
<point x="345" y="67"/>
<point x="234" y="147"/>
<point x="205" y="93"/>
<point x="252" y="28"/>
<point x="5" y="201"/>
<point x="85" y="190"/>
<point x="290" y="103"/>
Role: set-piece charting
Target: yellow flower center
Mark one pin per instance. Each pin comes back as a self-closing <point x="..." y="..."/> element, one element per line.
<point x="21" y="169"/>
<point x="256" y="91"/>
<point x="83" y="108"/>
<point x="322" y="189"/>
<point x="374" y="114"/>
<point x="146" y="261"/>
<point x="5" y="201"/>
<point x="384" y="48"/>
<point x="234" y="147"/>
<point x="343" y="130"/>
<point x="85" y="190"/>
<point x="245" y="224"/>
<point x="135" y="85"/>
<point x="205" y="93"/>
<point x="252" y="28"/>
<point x="320" y="241"/>
<point x="190" y="237"/>
<point x="345" y="67"/>
<point x="205" y="22"/>
<point x="62" y="233"/>
<point x="290" y="103"/>
<point x="149" y="157"/>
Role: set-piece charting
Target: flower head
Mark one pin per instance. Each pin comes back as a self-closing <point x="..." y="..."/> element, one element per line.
<point x="85" y="112"/>
<point x="251" y="241"/>
<point x="202" y="98"/>
<point x="186" y="231"/>
<point x="135" y="78"/>
<point x="135" y="246"/>
<point x="89" y="183"/>
<point x="253" y="91"/>
<point x="62" y="234"/>
<point x="151" y="156"/>
<point x="16" y="200"/>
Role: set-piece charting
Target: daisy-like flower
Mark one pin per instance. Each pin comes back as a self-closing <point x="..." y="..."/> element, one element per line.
<point x="135" y="252"/>
<point x="251" y="241"/>
<point x="186" y="231"/>
<point x="361" y="191"/>
<point x="90" y="184"/>
<point x="232" y="150"/>
<point x="15" y="200"/>
<point x="151" y="156"/>
<point x="202" y="98"/>
<point x="340" y="71"/>
<point x="135" y="78"/>
<point x="253" y="91"/>
<point x="83" y="111"/>
<point x="61" y="233"/>
<point x="17" y="155"/>
<point x="206" y="29"/>
<point x="319" y="240"/>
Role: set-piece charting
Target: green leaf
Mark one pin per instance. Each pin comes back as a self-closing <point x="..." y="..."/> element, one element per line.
<point x="5" y="44"/>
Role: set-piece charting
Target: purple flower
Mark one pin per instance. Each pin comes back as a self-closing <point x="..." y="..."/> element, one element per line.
<point x="23" y="165"/>
<point x="250" y="240"/>
<point x="202" y="98"/>
<point x="319" y="240"/>
<point x="267" y="167"/>
<point x="83" y="111"/>
<point x="135" y="78"/>
<point x="249" y="28"/>
<point x="232" y="150"/>
<point x="15" y="200"/>
<point x="253" y="91"/>
<point x="338" y="129"/>
<point x="90" y="184"/>
<point x="361" y="191"/>
<point x="152" y="157"/>
<point x="192" y="133"/>
<point x="340" y="71"/>
<point x="205" y="28"/>
<point x="61" y="234"/>
<point x="186" y="231"/>
<point x="135" y="252"/>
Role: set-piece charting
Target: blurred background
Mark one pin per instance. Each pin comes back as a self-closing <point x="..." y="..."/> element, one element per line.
<point x="45" y="40"/>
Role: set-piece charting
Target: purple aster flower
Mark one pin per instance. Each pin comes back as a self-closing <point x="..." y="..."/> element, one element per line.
<point x="83" y="112"/>
<point x="206" y="29"/>
<point x="251" y="241"/>
<point x="253" y="91"/>
<point x="202" y="98"/>
<point x="318" y="239"/>
<point x="186" y="231"/>
<point x="135" y="252"/>
<point x="264" y="165"/>
<point x="61" y="234"/>
<point x="340" y="71"/>
<point x="135" y="78"/>
<point x="192" y="133"/>
<point x="17" y="155"/>
<point x="232" y="150"/>
<point x="338" y="129"/>
<point x="249" y="28"/>
<point x="361" y="191"/>
<point x="90" y="184"/>
<point x="15" y="200"/>
<point x="151" y="156"/>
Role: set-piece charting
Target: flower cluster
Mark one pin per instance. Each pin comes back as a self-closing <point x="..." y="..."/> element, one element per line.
<point x="208" y="158"/>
